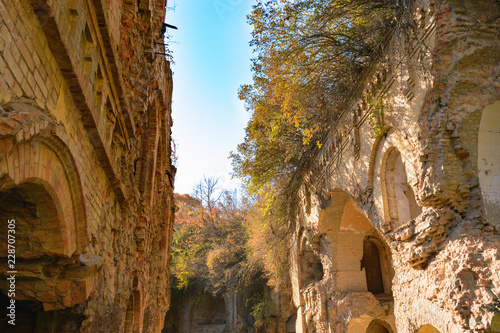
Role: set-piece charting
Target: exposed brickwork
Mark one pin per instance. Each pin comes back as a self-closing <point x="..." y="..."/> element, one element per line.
<point x="85" y="147"/>
<point x="445" y="260"/>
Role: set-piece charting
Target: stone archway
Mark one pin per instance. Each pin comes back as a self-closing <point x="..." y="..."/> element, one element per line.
<point x="36" y="151"/>
<point x="40" y="188"/>
<point x="489" y="161"/>
<point x="34" y="169"/>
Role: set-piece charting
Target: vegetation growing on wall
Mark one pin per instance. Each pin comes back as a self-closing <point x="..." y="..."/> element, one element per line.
<point x="308" y="57"/>
<point x="309" y="54"/>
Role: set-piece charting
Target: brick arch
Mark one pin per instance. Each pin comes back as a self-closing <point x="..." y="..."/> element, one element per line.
<point x="33" y="132"/>
<point x="38" y="155"/>
<point x="38" y="169"/>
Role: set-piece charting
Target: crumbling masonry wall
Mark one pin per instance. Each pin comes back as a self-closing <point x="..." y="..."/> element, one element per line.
<point x="402" y="203"/>
<point x="85" y="164"/>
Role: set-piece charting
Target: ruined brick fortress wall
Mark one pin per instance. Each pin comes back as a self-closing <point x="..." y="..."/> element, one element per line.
<point x="85" y="164"/>
<point x="400" y="213"/>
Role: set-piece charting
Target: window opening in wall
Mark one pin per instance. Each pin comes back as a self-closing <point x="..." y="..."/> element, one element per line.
<point x="209" y="311"/>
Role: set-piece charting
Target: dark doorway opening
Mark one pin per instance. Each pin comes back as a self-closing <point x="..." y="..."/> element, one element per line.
<point x="30" y="318"/>
<point x="373" y="269"/>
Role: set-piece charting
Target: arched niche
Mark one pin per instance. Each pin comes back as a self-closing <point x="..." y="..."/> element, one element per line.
<point x="400" y="205"/>
<point x="428" y="329"/>
<point x="345" y="227"/>
<point x="133" y="317"/>
<point x="489" y="161"/>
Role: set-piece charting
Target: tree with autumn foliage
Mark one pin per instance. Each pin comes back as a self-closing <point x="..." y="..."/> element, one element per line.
<point x="309" y="54"/>
<point x="209" y="250"/>
<point x="308" y="57"/>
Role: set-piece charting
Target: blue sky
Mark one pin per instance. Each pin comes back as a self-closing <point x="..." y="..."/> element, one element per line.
<point x="212" y="59"/>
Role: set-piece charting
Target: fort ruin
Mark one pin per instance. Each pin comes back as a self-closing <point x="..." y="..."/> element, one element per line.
<point x="85" y="165"/>
<point x="399" y="215"/>
<point x="403" y="223"/>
